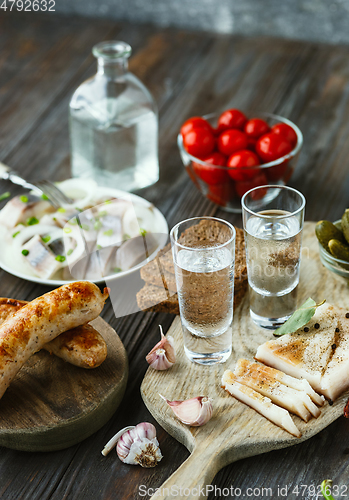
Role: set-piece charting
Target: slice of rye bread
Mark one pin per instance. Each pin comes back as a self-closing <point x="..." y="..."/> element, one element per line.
<point x="156" y="299"/>
<point x="160" y="271"/>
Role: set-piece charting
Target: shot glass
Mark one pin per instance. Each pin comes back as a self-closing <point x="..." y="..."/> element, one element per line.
<point x="204" y="253"/>
<point x="273" y="218"/>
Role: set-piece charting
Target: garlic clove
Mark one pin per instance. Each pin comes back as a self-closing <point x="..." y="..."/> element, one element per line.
<point x="163" y="355"/>
<point x="136" y="445"/>
<point x="195" y="412"/>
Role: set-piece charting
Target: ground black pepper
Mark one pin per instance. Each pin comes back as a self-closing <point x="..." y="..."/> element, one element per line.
<point x="306" y="329"/>
<point x="347" y="315"/>
<point x="334" y="346"/>
<point x="316" y="325"/>
<point x="330" y="402"/>
<point x="337" y="330"/>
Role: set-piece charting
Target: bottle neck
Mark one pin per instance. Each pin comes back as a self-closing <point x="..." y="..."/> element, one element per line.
<point x="112" y="69"/>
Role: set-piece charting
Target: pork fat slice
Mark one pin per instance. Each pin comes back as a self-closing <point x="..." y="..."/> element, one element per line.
<point x="260" y="403"/>
<point x="303" y="354"/>
<point x="258" y="378"/>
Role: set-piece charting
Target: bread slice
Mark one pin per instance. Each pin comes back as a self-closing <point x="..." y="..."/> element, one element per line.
<point x="157" y="299"/>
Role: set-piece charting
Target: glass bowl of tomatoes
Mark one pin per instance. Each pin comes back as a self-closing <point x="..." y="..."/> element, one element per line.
<point x="227" y="154"/>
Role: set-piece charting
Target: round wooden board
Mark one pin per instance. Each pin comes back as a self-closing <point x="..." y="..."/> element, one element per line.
<point x="52" y="405"/>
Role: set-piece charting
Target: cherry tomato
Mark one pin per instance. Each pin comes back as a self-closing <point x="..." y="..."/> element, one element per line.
<point x="193" y="123"/>
<point x="277" y="172"/>
<point x="244" y="186"/>
<point x="221" y="194"/>
<point x="199" y="142"/>
<point x="231" y="141"/>
<point x="272" y="146"/>
<point x="232" y="118"/>
<point x="256" y="127"/>
<point x="286" y="132"/>
<point x="251" y="144"/>
<point x="209" y="173"/>
<point x="240" y="163"/>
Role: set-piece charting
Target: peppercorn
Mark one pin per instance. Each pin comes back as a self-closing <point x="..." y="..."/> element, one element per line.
<point x="337" y="330"/>
<point x="334" y="346"/>
<point x="347" y="315"/>
<point x="306" y="329"/>
<point x="317" y="325"/>
<point x="330" y="402"/>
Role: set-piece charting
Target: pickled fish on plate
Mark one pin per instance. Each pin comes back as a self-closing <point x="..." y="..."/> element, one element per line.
<point x="293" y="400"/>
<point x="262" y="404"/>
<point x="318" y="352"/>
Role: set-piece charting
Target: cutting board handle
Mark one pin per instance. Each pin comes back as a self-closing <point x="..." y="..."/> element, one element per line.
<point x="193" y="476"/>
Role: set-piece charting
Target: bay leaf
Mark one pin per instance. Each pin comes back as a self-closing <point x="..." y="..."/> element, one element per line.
<point x="299" y="318"/>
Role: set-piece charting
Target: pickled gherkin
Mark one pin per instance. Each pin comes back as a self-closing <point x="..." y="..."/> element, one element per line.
<point x="345" y="225"/>
<point x="339" y="250"/>
<point x="326" y="231"/>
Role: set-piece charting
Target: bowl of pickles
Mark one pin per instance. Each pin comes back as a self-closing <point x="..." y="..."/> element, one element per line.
<point x="333" y="240"/>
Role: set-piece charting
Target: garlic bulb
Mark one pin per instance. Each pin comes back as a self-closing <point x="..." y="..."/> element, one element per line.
<point x="136" y="445"/>
<point x="196" y="411"/>
<point x="163" y="355"/>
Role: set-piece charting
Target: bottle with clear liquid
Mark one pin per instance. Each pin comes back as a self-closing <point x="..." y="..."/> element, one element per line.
<point x="114" y="124"/>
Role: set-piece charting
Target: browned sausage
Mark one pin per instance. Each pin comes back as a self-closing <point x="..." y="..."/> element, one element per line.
<point x="82" y="346"/>
<point x="31" y="327"/>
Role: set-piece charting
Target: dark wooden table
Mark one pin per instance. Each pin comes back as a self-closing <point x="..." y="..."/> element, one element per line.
<point x="42" y="60"/>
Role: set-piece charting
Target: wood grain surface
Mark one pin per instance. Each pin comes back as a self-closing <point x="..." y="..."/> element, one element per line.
<point x="52" y="405"/>
<point x="235" y="431"/>
<point x="43" y="59"/>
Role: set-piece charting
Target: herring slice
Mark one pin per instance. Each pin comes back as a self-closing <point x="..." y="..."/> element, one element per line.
<point x="40" y="258"/>
<point x="259" y="378"/>
<point x="307" y="352"/>
<point x="260" y="403"/>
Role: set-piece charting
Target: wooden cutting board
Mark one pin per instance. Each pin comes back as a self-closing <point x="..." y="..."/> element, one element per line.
<point x="235" y="431"/>
<point x="52" y="405"/>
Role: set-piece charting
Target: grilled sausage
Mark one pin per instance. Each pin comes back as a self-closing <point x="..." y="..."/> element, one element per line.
<point x="42" y="320"/>
<point x="82" y="346"/>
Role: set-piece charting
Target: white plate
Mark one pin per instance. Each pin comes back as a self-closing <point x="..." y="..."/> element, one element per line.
<point x="162" y="229"/>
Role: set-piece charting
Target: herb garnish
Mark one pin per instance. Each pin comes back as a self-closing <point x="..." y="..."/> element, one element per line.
<point x="299" y="318"/>
<point x="24" y="199"/>
<point x="32" y="221"/>
<point x="60" y="258"/>
<point x="25" y="252"/>
<point x="326" y="489"/>
<point x="4" y="196"/>
<point x="45" y="239"/>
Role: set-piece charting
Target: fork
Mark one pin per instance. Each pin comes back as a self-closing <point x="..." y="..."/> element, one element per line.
<point x="55" y="196"/>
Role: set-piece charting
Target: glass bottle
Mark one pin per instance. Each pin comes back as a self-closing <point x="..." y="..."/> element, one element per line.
<point x="114" y="124"/>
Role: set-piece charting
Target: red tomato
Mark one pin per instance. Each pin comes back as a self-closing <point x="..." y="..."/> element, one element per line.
<point x="199" y="142"/>
<point x="209" y="173"/>
<point x="272" y="146"/>
<point x="193" y="123"/>
<point x="221" y="193"/>
<point x="277" y="172"/>
<point x="244" y="186"/>
<point x="256" y="127"/>
<point x="251" y="144"/>
<point x="240" y="163"/>
<point x="232" y="118"/>
<point x="231" y="141"/>
<point x="286" y="132"/>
